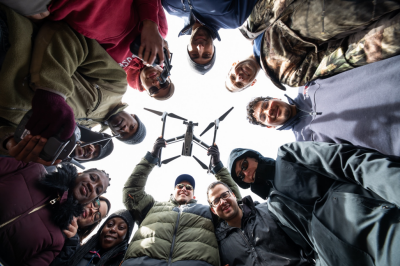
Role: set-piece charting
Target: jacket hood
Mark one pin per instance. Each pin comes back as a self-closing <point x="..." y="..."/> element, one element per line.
<point x="124" y="214"/>
<point x="265" y="170"/>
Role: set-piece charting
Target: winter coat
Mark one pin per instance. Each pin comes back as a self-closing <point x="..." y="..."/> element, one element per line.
<point x="180" y="234"/>
<point x="358" y="107"/>
<point x="62" y="61"/>
<point x="317" y="43"/>
<point x="32" y="239"/>
<point x="341" y="200"/>
<point x="260" y="240"/>
<point x="216" y="15"/>
<point x="114" y="26"/>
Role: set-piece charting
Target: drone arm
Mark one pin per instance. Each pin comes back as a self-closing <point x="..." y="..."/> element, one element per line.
<point x="170" y="159"/>
<point x="215" y="137"/>
<point x="176" y="139"/>
<point x="200" y="143"/>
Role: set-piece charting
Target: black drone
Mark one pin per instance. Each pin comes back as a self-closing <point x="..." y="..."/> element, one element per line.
<point x="188" y="138"/>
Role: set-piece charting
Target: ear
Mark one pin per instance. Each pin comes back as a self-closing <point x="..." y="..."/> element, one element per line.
<point x="254" y="82"/>
<point x="194" y="197"/>
<point x="213" y="211"/>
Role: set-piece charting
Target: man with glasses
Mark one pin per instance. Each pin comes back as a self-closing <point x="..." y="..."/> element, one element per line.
<point x="338" y="202"/>
<point x="179" y="231"/>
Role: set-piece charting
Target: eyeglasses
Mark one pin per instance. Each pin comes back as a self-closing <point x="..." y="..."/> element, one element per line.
<point x="96" y="205"/>
<point x="188" y="187"/>
<point x="217" y="200"/>
<point x="153" y="90"/>
<point x="243" y="167"/>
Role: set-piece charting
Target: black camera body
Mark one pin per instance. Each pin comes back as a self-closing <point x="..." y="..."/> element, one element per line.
<point x="55" y="148"/>
<point x="134" y="47"/>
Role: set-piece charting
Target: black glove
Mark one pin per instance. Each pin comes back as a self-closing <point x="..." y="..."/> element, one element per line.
<point x="214" y="152"/>
<point x="158" y="145"/>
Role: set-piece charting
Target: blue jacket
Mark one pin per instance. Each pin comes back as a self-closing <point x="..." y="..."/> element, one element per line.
<point x="360" y="106"/>
<point x="215" y="14"/>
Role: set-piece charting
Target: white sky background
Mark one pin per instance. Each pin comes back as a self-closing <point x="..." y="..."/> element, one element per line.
<point x="201" y="99"/>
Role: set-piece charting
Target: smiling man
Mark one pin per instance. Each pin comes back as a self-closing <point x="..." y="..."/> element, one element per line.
<point x="242" y="74"/>
<point x="321" y="195"/>
<point x="339" y="109"/>
<point x="173" y="231"/>
<point x="203" y="19"/>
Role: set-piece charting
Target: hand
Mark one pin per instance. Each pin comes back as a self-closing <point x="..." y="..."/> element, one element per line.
<point x="28" y="149"/>
<point x="39" y="16"/>
<point x="151" y="43"/>
<point x="158" y="145"/>
<point x="214" y="152"/>
<point x="72" y="228"/>
<point x="50" y="113"/>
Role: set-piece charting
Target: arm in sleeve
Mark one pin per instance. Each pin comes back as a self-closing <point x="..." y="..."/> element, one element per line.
<point x="222" y="174"/>
<point x="347" y="163"/>
<point x="148" y="10"/>
<point x="71" y="245"/>
<point x="59" y="52"/>
<point x="135" y="199"/>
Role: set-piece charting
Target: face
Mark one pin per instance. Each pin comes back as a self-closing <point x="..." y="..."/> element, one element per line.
<point x="87" y="153"/>
<point x="149" y="78"/>
<point x="124" y="124"/>
<point x="272" y="113"/>
<point x="228" y="208"/>
<point x="88" y="216"/>
<point x="201" y="48"/>
<point x="182" y="196"/>
<point x="248" y="172"/>
<point x="113" y="233"/>
<point x="241" y="74"/>
<point x="89" y="186"/>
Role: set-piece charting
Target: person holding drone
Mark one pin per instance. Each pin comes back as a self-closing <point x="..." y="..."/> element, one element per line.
<point x="65" y="78"/>
<point x="191" y="223"/>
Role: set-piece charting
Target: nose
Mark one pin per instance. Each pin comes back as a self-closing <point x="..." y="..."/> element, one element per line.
<point x="113" y="229"/>
<point x="90" y="187"/>
<point x="239" y="77"/>
<point x="200" y="48"/>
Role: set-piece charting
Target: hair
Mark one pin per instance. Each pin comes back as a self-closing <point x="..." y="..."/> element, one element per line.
<point x="95" y="169"/>
<point x="241" y="89"/>
<point x="92" y="244"/>
<point x="250" y="109"/>
<point x="84" y="232"/>
<point x="213" y="185"/>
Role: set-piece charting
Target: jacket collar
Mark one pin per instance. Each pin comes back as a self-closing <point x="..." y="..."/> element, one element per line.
<point x="187" y="29"/>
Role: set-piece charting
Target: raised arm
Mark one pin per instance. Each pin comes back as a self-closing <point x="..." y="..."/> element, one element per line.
<point x="347" y="163"/>
<point x="221" y="173"/>
<point x="135" y="199"/>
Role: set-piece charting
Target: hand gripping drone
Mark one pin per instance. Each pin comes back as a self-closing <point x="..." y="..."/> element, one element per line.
<point x="188" y="138"/>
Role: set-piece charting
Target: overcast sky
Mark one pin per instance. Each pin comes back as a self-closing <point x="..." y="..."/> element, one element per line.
<point x="201" y="99"/>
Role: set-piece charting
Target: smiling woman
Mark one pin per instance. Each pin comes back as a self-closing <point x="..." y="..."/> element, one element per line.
<point x="31" y="234"/>
<point x="107" y="247"/>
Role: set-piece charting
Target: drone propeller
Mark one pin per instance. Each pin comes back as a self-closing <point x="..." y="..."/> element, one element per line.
<point x="222" y="117"/>
<point x="161" y="114"/>
<point x="154" y="111"/>
<point x="201" y="163"/>
<point x="176" y="116"/>
<point x="170" y="159"/>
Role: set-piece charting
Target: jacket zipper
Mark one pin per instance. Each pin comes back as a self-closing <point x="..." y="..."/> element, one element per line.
<point x="250" y="245"/>
<point x="52" y="202"/>
<point x="173" y="238"/>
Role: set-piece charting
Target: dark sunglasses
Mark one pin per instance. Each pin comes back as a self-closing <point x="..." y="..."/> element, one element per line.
<point x="188" y="187"/>
<point x="243" y="167"/>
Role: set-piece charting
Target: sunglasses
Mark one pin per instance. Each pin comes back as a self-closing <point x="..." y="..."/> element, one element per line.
<point x="217" y="200"/>
<point x="96" y="205"/>
<point x="243" y="167"/>
<point x="153" y="90"/>
<point x="188" y="187"/>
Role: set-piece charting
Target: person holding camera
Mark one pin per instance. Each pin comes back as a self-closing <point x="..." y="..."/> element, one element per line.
<point x="65" y="78"/>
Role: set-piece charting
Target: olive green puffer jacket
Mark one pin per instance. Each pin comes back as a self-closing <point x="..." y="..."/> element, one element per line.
<point x="169" y="234"/>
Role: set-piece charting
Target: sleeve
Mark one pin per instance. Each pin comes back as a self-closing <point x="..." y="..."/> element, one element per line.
<point x="148" y="10"/>
<point x="59" y="52"/>
<point x="135" y="199"/>
<point x="9" y="165"/>
<point x="71" y="245"/>
<point x="42" y="258"/>
<point x="222" y="174"/>
<point x="347" y="163"/>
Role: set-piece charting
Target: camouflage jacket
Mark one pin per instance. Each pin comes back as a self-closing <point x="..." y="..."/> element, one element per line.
<point x="307" y="40"/>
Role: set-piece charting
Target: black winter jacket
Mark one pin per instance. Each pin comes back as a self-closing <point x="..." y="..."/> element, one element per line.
<point x="260" y="241"/>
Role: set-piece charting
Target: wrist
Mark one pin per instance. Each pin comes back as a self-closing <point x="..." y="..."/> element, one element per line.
<point x="149" y="24"/>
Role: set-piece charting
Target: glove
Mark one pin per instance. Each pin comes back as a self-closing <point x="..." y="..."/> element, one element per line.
<point x="214" y="152"/>
<point x="158" y="145"/>
<point x="50" y="114"/>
